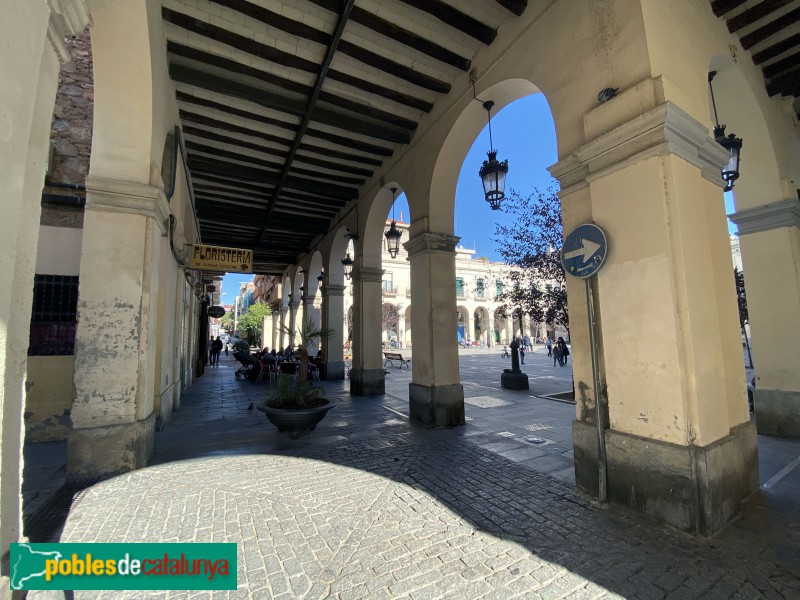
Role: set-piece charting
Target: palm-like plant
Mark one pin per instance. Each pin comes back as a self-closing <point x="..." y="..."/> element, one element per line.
<point x="309" y="332"/>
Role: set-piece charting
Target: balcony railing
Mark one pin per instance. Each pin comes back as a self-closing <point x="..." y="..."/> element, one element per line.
<point x="389" y="292"/>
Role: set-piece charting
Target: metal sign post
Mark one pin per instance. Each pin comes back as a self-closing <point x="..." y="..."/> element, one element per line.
<point x="584" y="252"/>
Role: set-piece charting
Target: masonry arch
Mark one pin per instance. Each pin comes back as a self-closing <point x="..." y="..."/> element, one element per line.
<point x="407" y="333"/>
<point x="481" y="325"/>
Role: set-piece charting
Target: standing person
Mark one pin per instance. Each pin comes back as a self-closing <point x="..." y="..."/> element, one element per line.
<point x="549" y="344"/>
<point x="216" y="348"/>
<point x="527" y="341"/>
<point x="226" y="348"/>
<point x="556" y="355"/>
<point x="563" y="350"/>
<point x="522" y="354"/>
<point x="211" y="350"/>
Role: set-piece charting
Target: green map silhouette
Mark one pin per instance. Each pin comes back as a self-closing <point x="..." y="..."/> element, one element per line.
<point x="28" y="564"/>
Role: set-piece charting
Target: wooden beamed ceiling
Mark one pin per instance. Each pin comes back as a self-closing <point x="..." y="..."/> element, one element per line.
<point x="287" y="109"/>
<point x="770" y="31"/>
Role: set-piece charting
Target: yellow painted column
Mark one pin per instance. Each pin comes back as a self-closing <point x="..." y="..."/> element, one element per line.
<point x="679" y="441"/>
<point x="332" y="348"/>
<point x="436" y="396"/>
<point x="368" y="377"/>
<point x="117" y="334"/>
<point x="769" y="237"/>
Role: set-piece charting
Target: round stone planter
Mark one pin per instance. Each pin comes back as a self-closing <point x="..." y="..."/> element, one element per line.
<point x="296" y="420"/>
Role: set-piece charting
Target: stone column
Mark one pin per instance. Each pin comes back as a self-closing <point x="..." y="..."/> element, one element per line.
<point x="293" y="306"/>
<point x="280" y="334"/>
<point x="332" y="348"/>
<point x="267" y="328"/>
<point x="112" y="413"/>
<point x="769" y="237"/>
<point x="367" y="378"/>
<point x="33" y="43"/>
<point x="436" y="397"/>
<point x="679" y="441"/>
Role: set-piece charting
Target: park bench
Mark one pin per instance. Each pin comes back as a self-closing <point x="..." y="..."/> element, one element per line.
<point x="393" y="356"/>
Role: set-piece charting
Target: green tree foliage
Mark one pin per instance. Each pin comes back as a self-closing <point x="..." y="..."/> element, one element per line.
<point x="532" y="248"/>
<point x="226" y="321"/>
<point x="744" y="317"/>
<point x="250" y="322"/>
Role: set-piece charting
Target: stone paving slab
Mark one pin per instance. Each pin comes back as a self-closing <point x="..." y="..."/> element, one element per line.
<point x="429" y="517"/>
<point x="370" y="506"/>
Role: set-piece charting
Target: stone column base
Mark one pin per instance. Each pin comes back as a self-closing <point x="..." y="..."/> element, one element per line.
<point x="777" y="413"/>
<point x="514" y="380"/>
<point x="110" y="449"/>
<point x="436" y="406"/>
<point x="334" y="370"/>
<point x="367" y="382"/>
<point x="698" y="490"/>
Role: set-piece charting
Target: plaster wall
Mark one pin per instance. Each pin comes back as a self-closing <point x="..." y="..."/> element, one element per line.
<point x="48" y="401"/>
<point x="59" y="250"/>
<point x="48" y="380"/>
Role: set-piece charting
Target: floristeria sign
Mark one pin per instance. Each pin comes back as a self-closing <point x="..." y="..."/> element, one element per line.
<point x="217" y="258"/>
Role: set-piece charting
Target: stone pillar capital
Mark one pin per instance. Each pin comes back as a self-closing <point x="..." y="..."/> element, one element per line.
<point x="293" y="305"/>
<point x="111" y="195"/>
<point x="431" y="242"/>
<point x="665" y="129"/>
<point x="333" y="290"/>
<point x="785" y="213"/>
<point x="366" y="274"/>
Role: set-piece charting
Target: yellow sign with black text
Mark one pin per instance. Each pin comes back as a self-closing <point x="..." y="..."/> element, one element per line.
<point x="217" y="258"/>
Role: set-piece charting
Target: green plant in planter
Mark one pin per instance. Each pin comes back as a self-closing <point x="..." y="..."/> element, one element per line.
<point x="300" y="393"/>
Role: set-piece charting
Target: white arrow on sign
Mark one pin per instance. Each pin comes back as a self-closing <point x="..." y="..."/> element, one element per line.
<point x="587" y="249"/>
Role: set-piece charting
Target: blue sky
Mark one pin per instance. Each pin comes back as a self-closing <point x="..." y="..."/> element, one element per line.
<point x="524" y="134"/>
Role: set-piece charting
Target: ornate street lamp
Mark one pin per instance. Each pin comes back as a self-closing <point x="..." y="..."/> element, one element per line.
<point x="347" y="262"/>
<point x="731" y="143"/>
<point x="493" y="172"/>
<point x="393" y="235"/>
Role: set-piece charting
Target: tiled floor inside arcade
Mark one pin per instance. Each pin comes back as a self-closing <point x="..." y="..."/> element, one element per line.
<point x="370" y="506"/>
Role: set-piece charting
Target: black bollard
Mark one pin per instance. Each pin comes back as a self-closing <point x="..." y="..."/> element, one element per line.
<point x="513" y="378"/>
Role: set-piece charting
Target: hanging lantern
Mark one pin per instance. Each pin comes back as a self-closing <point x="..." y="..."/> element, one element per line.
<point x="493" y="172"/>
<point x="731" y="143"/>
<point x="321" y="276"/>
<point x="393" y="234"/>
<point x="347" y="263"/>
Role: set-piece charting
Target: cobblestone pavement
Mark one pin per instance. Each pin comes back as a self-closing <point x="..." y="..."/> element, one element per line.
<point x="369" y="506"/>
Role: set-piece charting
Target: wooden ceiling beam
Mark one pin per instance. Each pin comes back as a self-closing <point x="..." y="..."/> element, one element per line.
<point x="756" y="13"/>
<point x="236" y="171"/>
<point x="516" y="7"/>
<point x="290" y="106"/>
<point x="325" y="164"/>
<point x="400" y="35"/>
<point x="302" y="30"/>
<point x="773" y="27"/>
<point x="786" y="64"/>
<point x="455" y="18"/>
<point x="233" y="66"/>
<point x="786" y="85"/>
<point x="777" y="49"/>
<point x="720" y="7"/>
<point x="331" y="137"/>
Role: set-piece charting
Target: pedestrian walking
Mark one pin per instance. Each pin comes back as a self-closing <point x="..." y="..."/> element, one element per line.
<point x="556" y="355"/>
<point x="522" y="354"/>
<point x="549" y="344"/>
<point x="216" y="348"/>
<point x="563" y="351"/>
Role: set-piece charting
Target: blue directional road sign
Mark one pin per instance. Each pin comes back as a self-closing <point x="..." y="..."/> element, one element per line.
<point x="585" y="250"/>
